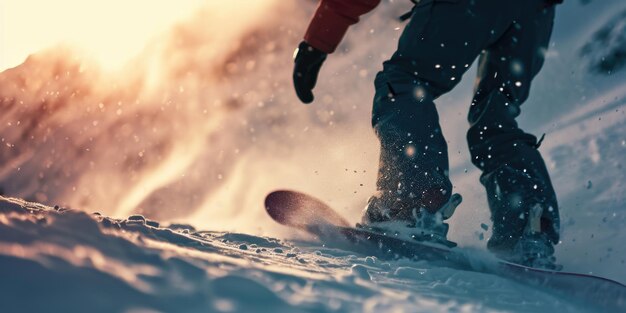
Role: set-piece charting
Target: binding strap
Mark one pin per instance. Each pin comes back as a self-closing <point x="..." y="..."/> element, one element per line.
<point x="538" y="144"/>
<point x="408" y="14"/>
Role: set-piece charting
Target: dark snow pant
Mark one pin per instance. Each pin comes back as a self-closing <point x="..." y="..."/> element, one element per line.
<point x="437" y="46"/>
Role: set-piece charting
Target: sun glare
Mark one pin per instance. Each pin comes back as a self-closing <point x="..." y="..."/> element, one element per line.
<point x="111" y="32"/>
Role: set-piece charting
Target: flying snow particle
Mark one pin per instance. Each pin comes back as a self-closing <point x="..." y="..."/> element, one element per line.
<point x="420" y="93"/>
<point x="410" y="150"/>
<point x="517" y="67"/>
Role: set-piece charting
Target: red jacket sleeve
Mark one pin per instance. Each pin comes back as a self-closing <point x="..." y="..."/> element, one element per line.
<point x="332" y="19"/>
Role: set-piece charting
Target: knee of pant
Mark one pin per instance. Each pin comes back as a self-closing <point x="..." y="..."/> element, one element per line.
<point x="514" y="84"/>
<point x="411" y="122"/>
<point x="510" y="78"/>
<point x="517" y="91"/>
<point x="491" y="148"/>
<point x="404" y="107"/>
<point x="405" y="92"/>
<point x="494" y="109"/>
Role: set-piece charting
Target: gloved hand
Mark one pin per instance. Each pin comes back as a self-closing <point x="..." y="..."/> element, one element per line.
<point x="308" y="61"/>
<point x="553" y="2"/>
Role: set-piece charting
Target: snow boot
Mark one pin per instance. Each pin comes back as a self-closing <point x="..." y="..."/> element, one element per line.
<point x="524" y="212"/>
<point x="385" y="214"/>
<point x="534" y="248"/>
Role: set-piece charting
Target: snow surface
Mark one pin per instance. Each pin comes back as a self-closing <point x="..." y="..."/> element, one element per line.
<point x="61" y="260"/>
<point x="222" y="128"/>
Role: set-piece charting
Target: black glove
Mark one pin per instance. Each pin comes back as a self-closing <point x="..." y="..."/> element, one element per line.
<point x="553" y="2"/>
<point x="308" y="62"/>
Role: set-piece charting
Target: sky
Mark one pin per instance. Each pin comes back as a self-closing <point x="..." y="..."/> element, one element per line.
<point x="111" y="32"/>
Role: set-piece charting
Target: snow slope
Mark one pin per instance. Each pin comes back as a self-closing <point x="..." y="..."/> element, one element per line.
<point x="61" y="260"/>
<point x="222" y="128"/>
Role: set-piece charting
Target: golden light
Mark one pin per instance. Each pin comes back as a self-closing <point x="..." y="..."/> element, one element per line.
<point x="111" y="32"/>
<point x="183" y="123"/>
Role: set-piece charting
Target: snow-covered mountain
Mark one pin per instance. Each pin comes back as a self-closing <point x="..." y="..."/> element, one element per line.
<point x="203" y="124"/>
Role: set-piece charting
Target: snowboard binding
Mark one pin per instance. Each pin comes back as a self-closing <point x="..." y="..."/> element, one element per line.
<point x="534" y="249"/>
<point x="421" y="224"/>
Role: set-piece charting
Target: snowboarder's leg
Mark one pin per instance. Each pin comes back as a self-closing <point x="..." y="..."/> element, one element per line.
<point x="432" y="56"/>
<point x="413" y="155"/>
<point x="514" y="174"/>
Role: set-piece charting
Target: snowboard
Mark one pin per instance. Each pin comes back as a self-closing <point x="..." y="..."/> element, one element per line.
<point x="304" y="212"/>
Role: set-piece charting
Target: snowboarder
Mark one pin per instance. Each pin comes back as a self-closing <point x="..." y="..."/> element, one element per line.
<point x="437" y="46"/>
